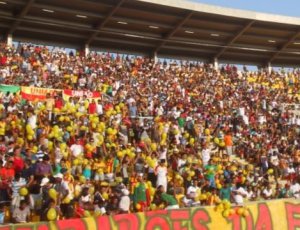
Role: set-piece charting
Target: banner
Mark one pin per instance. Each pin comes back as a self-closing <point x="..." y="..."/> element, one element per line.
<point x="67" y="93"/>
<point x="9" y="88"/>
<point x="276" y="214"/>
<point x="34" y="93"/>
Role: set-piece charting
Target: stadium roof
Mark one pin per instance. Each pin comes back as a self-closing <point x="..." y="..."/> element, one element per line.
<point x="171" y="28"/>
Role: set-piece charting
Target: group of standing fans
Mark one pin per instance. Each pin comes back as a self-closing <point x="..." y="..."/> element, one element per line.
<point x="162" y="136"/>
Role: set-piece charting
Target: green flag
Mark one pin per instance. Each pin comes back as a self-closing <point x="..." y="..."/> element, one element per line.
<point x="9" y="88"/>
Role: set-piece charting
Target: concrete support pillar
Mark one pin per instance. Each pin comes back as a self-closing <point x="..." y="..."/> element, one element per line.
<point x="154" y="57"/>
<point x="269" y="68"/>
<point x="9" y="40"/>
<point x="86" y="50"/>
<point x="216" y="63"/>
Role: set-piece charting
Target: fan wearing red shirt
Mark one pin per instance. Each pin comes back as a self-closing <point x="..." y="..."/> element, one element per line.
<point x="6" y="176"/>
<point x="92" y="107"/>
<point x="3" y="60"/>
<point x="108" y="106"/>
<point x="58" y="102"/>
<point x="18" y="162"/>
<point x="7" y="173"/>
<point x="2" y="172"/>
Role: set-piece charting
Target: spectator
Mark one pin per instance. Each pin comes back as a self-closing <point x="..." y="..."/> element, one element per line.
<point x="295" y="189"/>
<point x="16" y="185"/>
<point x="18" y="162"/>
<point x="63" y="191"/>
<point x="184" y="126"/>
<point x="268" y="192"/>
<point x="2" y="214"/>
<point x="124" y="204"/>
<point x="226" y="192"/>
<point x="239" y="193"/>
<point x="44" y="168"/>
<point x="162" y="173"/>
<point x="167" y="199"/>
<point x="228" y="143"/>
<point x="21" y="214"/>
<point x="141" y="196"/>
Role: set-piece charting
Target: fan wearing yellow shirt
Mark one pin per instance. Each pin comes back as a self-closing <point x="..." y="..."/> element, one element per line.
<point x="99" y="168"/>
<point x="49" y="105"/>
<point x="2" y="127"/>
<point x="74" y="79"/>
<point x="213" y="198"/>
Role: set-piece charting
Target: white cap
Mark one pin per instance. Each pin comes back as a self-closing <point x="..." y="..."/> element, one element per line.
<point x="44" y="181"/>
<point x="125" y="192"/>
<point x="176" y="150"/>
<point x="58" y="175"/>
<point x="188" y="119"/>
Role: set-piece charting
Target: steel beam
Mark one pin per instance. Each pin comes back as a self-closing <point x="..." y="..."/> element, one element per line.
<point x="23" y="12"/>
<point x="102" y="23"/>
<point x="284" y="46"/>
<point x="235" y="37"/>
<point x="174" y="30"/>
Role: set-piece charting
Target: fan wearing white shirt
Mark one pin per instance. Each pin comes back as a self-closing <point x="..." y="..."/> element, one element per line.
<point x="295" y="189"/>
<point x="290" y="171"/>
<point x="239" y="194"/>
<point x="267" y="193"/>
<point x="124" y="204"/>
<point x="32" y="120"/>
<point x="205" y="155"/>
<point x="76" y="149"/>
<point x="275" y="164"/>
<point x="181" y="161"/>
<point x="192" y="192"/>
<point x="99" y="108"/>
<point x="11" y="107"/>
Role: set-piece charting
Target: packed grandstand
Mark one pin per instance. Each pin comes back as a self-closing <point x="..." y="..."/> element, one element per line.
<point x="99" y="134"/>
<point x="147" y="136"/>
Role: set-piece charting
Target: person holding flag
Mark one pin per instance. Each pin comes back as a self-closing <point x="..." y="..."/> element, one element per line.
<point x="141" y="194"/>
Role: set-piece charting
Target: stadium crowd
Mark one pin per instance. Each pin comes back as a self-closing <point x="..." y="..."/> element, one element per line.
<point x="163" y="135"/>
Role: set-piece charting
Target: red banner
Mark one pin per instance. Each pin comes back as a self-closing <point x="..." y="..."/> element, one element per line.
<point x="67" y="93"/>
<point x="276" y="214"/>
<point x="34" y="93"/>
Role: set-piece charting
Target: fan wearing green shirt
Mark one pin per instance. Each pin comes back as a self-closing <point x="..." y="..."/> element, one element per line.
<point x="141" y="194"/>
<point x="210" y="169"/>
<point x="225" y="192"/>
<point x="168" y="199"/>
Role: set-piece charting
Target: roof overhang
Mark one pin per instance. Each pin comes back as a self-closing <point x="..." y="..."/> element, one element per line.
<point x="170" y="28"/>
